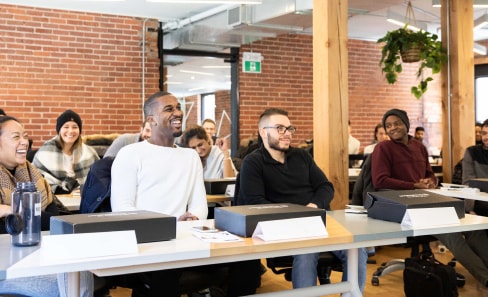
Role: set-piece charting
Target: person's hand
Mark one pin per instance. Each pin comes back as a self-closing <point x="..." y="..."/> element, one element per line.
<point x="312" y="205"/>
<point x="420" y="185"/>
<point x="187" y="216"/>
<point x="425" y="183"/>
<point x="222" y="144"/>
<point x="429" y="183"/>
<point x="69" y="184"/>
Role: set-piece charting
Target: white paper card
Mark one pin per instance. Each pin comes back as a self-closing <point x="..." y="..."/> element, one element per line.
<point x="428" y="217"/>
<point x="88" y="245"/>
<point x="230" y="190"/>
<point x="290" y="229"/>
<point x="221" y="236"/>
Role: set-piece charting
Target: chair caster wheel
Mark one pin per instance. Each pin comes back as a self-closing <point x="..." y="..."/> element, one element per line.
<point x="375" y="281"/>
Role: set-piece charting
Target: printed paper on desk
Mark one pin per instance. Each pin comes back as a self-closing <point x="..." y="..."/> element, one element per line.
<point x="290" y="229"/>
<point x="88" y="245"/>
<point x="427" y="217"/>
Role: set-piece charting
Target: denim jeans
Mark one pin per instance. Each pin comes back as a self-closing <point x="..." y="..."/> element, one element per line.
<point x="46" y="285"/>
<point x="86" y="284"/>
<point x="35" y="286"/>
<point x="304" y="271"/>
<point x="362" y="263"/>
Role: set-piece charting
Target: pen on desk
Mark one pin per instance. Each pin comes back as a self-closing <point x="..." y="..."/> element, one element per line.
<point x="227" y="136"/>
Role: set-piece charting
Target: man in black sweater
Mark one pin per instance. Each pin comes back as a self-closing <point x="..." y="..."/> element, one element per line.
<point x="277" y="173"/>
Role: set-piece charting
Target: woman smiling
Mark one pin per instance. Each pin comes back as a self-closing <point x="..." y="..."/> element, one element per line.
<point x="14" y="168"/>
<point x="65" y="160"/>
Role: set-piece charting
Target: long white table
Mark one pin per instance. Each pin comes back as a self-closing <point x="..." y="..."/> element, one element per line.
<point x="187" y="250"/>
<point x="346" y="231"/>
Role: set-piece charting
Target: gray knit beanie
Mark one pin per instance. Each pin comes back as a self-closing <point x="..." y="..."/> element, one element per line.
<point x="399" y="113"/>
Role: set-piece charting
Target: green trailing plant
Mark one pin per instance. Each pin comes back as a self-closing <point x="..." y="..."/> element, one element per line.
<point x="429" y="48"/>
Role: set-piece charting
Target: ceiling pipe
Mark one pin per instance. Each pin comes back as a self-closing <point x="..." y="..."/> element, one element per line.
<point x="143" y="56"/>
<point x="170" y="26"/>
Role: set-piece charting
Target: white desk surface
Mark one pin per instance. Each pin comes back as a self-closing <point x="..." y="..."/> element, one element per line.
<point x="185" y="251"/>
<point x="364" y="228"/>
<point x="72" y="202"/>
<point x="346" y="231"/>
<point x="483" y="196"/>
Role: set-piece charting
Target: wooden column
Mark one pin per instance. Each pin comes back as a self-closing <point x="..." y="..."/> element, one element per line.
<point x="330" y="94"/>
<point x="458" y="82"/>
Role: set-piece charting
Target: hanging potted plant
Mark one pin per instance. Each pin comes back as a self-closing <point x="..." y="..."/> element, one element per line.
<point x="407" y="46"/>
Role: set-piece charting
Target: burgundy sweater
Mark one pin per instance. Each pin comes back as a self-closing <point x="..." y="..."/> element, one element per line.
<point x="397" y="166"/>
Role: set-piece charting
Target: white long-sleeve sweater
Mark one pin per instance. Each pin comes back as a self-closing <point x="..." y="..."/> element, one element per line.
<point x="160" y="179"/>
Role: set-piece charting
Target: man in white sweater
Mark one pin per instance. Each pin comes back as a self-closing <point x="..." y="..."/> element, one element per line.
<point x="156" y="175"/>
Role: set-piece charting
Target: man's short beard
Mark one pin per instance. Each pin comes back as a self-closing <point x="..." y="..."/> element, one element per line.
<point x="177" y="134"/>
<point x="276" y="145"/>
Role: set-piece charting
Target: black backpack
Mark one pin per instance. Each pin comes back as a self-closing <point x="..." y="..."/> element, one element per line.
<point x="424" y="276"/>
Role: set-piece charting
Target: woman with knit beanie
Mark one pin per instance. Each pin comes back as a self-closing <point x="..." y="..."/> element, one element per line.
<point x="65" y="160"/>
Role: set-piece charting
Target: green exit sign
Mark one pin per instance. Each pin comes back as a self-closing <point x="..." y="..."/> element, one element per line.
<point x="251" y="62"/>
<point x="252" y="66"/>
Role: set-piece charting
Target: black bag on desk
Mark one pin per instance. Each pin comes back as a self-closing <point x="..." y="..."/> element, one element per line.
<point x="424" y="276"/>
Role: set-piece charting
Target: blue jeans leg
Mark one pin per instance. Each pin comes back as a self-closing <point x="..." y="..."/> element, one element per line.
<point x="362" y="263"/>
<point x="86" y="284"/>
<point x="35" y="286"/>
<point x="304" y="272"/>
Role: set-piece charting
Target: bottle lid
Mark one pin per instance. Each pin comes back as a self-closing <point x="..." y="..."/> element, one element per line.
<point x="26" y="186"/>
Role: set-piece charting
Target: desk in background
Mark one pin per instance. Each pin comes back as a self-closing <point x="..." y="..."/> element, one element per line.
<point x="72" y="201"/>
<point x="354" y="173"/>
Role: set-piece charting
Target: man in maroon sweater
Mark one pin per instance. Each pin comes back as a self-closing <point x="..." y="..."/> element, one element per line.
<point x="402" y="163"/>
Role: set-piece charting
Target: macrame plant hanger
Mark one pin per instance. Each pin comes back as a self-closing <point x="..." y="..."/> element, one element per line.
<point x="411" y="54"/>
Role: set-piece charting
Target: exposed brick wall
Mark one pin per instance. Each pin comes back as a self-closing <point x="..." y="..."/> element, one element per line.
<point x="52" y="60"/>
<point x="286" y="81"/>
<point x="192" y="110"/>
<point x="222" y="103"/>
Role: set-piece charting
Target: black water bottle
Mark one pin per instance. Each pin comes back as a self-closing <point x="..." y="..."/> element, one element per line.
<point x="24" y="224"/>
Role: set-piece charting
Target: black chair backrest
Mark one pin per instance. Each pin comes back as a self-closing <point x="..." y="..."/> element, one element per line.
<point x="353" y="159"/>
<point x="95" y="195"/>
<point x="235" y="201"/>
<point x="363" y="184"/>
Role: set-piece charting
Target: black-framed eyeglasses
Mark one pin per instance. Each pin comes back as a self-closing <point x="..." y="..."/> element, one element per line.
<point x="282" y="129"/>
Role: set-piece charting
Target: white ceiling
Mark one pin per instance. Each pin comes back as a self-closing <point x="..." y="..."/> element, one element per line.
<point x="367" y="21"/>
